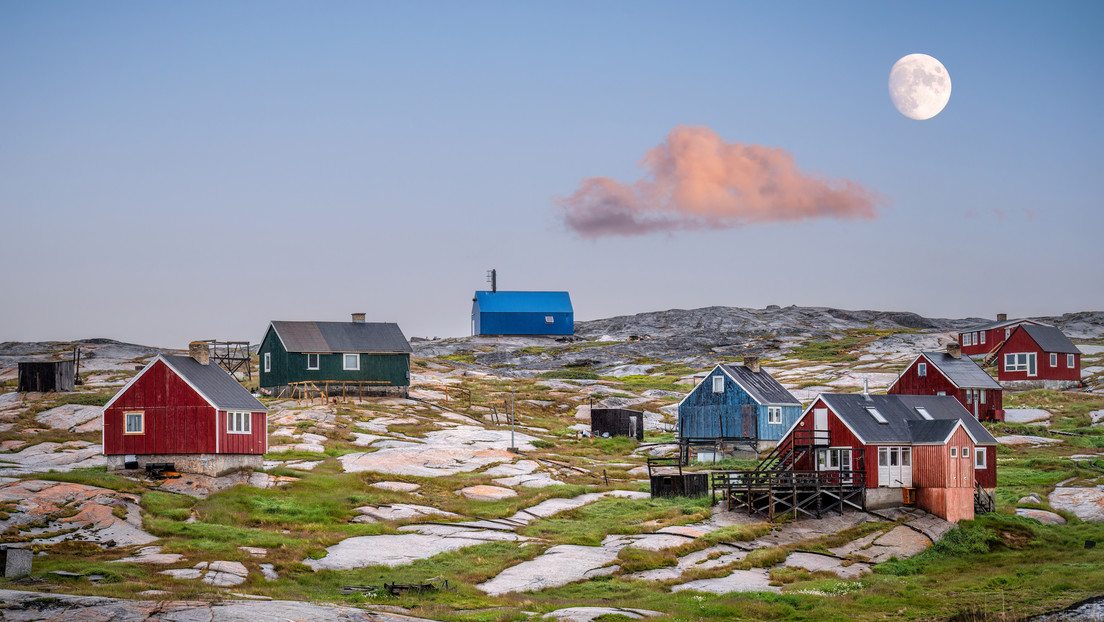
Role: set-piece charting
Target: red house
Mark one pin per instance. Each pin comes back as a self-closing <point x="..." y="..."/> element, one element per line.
<point x="986" y="338"/>
<point x="183" y="410"/>
<point x="1039" y="357"/>
<point x="929" y="445"/>
<point x="948" y="373"/>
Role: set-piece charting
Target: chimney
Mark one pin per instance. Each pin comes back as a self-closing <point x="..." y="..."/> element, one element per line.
<point x="954" y="349"/>
<point x="358" y="318"/>
<point x="752" y="363"/>
<point x="1002" y="317"/>
<point x="200" y="351"/>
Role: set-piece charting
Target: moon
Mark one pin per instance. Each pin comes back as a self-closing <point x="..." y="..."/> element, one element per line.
<point x="919" y="86"/>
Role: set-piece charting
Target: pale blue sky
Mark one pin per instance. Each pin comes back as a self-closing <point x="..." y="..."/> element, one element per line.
<point x="193" y="170"/>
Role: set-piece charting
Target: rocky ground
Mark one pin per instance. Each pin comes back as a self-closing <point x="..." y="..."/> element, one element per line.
<point x="439" y="486"/>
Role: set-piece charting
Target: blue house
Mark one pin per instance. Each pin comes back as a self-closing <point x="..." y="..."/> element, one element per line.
<point x="737" y="405"/>
<point x="522" y="313"/>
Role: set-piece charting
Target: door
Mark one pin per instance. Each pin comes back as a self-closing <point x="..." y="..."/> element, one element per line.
<point x="895" y="467"/>
<point x="820" y="426"/>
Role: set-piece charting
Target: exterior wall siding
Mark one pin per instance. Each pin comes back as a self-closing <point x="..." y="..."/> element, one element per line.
<point x="391" y="368"/>
<point x="1021" y="342"/>
<point x="993" y="337"/>
<point x="705" y="414"/>
<point x="176" y="418"/>
<point x="841" y="437"/>
<point x="256" y="442"/>
<point x="911" y="383"/>
<point x="522" y="323"/>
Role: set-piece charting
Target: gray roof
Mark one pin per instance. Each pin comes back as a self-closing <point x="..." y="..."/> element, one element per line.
<point x="761" y="386"/>
<point x="1050" y="339"/>
<point x="214" y="383"/>
<point x="934" y="431"/>
<point x="964" y="372"/>
<point x="899" y="411"/>
<point x="341" y="337"/>
<point x="991" y="325"/>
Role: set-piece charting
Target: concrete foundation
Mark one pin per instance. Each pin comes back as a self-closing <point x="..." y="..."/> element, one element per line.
<point x="881" y="498"/>
<point x="336" y="391"/>
<point x="202" y="464"/>
<point x="1029" y="385"/>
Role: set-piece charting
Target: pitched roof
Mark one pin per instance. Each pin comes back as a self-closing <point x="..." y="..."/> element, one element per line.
<point x="964" y="372"/>
<point x="523" y="302"/>
<point x="341" y="336"/>
<point x="761" y="386"/>
<point x="992" y="325"/>
<point x="934" y="431"/>
<point x="1050" y="339"/>
<point x="213" y="383"/>
<point x="899" y="411"/>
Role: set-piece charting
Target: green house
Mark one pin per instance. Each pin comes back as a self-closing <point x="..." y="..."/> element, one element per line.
<point x="357" y="357"/>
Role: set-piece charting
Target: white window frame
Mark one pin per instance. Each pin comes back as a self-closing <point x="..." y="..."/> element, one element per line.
<point x="718" y="383"/>
<point x="345" y="361"/>
<point x="967" y="339"/>
<point x="317" y="361"/>
<point x="965" y="451"/>
<point x="969" y="396"/>
<point x="1054" y="359"/>
<point x="141" y="422"/>
<point x="1021" y="361"/>
<point x="268" y="362"/>
<point x="954" y="452"/>
<point x="548" y="319"/>
<point x="1070" y="361"/>
<point x="774" y="414"/>
<point x="980" y="458"/>
<point x="981" y="396"/>
<point x="981" y="334"/>
<point x="239" y="422"/>
<point x="922" y="369"/>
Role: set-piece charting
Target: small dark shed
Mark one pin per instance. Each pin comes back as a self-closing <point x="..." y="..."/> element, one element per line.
<point x="617" y="422"/>
<point x="42" y="376"/>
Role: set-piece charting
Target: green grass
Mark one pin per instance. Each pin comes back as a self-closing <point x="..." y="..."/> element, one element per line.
<point x="570" y="374"/>
<point x="93" y="476"/>
<point x="590" y="524"/>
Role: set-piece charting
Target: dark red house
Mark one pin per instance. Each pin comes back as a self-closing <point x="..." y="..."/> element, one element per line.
<point x="1039" y="356"/>
<point x="949" y="373"/>
<point x="183" y="410"/>
<point x="930" y="444"/>
<point x="987" y="338"/>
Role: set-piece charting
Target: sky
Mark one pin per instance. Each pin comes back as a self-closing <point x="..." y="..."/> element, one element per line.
<point x="180" y="171"/>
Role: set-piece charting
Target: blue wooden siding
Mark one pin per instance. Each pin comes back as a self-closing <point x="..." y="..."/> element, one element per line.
<point x="521" y="323"/>
<point x="705" y="414"/>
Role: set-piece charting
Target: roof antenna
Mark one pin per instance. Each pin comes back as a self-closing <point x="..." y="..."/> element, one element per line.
<point x="492" y="277"/>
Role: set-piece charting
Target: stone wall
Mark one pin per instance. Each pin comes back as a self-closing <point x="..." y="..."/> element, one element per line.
<point x="202" y="464"/>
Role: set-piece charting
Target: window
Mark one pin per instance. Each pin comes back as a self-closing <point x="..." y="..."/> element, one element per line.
<point x="312" y="361"/>
<point x="975" y="339"/>
<point x="718" y="384"/>
<point x="268" y="362"/>
<point x="1069" y="361"/>
<point x="923" y="412"/>
<point x="965" y="452"/>
<point x="774" y="414"/>
<point x="979" y="458"/>
<point x="982" y="336"/>
<point x="877" y="415"/>
<point x="906" y="456"/>
<point x="1007" y="332"/>
<point x="981" y="395"/>
<point x="966" y="339"/>
<point x="135" y="423"/>
<point x="969" y="396"/>
<point x="1053" y="359"/>
<point x="922" y="369"/>
<point x="238" y="422"/>
<point x="941" y="393"/>
<point x="352" y="361"/>
<point x="954" y="452"/>
<point x="883" y="456"/>
<point x="548" y="319"/>
<point x="1020" y="361"/>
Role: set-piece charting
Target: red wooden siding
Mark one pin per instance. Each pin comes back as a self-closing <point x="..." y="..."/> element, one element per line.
<point x="993" y="337"/>
<point x="911" y="383"/>
<point x="177" y="419"/>
<point x="987" y="477"/>
<point x="1020" y="342"/>
<point x="933" y="466"/>
<point x="256" y="442"/>
<point x="841" y="437"/>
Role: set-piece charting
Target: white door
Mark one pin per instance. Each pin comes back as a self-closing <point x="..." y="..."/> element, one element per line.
<point x="895" y="467"/>
<point x="820" y="425"/>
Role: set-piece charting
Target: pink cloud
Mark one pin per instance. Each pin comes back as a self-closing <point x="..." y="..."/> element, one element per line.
<point x="696" y="180"/>
<point x="1000" y="214"/>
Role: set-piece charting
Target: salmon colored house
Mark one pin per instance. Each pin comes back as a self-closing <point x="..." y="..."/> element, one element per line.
<point x="185" y="411"/>
<point x="926" y="449"/>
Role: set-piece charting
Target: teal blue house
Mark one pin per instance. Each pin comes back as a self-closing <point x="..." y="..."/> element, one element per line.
<point x="741" y="405"/>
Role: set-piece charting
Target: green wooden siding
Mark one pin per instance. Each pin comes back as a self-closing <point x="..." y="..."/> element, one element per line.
<point x="393" y="369"/>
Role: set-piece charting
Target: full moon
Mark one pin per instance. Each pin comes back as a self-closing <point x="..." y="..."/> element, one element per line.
<point x="919" y="86"/>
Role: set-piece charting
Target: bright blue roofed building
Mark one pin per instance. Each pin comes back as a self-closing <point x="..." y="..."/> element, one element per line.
<point x="522" y="313"/>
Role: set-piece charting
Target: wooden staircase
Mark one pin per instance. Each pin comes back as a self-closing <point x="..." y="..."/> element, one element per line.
<point x="983" y="501"/>
<point x="991" y="355"/>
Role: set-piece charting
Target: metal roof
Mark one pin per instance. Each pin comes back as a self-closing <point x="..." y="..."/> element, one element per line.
<point x="341" y="337"/>
<point x="214" y="383"/>
<point x="761" y="386"/>
<point x="935" y="431"/>
<point x="1050" y="339"/>
<point x="523" y="302"/>
<point x="964" y="372"/>
<point x="899" y="411"/>
<point x="992" y="325"/>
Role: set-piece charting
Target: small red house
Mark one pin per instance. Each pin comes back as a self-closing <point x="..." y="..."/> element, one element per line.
<point x="1039" y="356"/>
<point x="948" y="373"/>
<point x="986" y="338"/>
<point x="183" y="410"/>
<point x="929" y="444"/>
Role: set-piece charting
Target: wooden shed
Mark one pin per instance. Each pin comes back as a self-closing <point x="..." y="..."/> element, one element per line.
<point x="949" y="373"/>
<point x="185" y="411"/>
<point x="43" y="376"/>
<point x="617" y="422"/>
<point x="359" y="356"/>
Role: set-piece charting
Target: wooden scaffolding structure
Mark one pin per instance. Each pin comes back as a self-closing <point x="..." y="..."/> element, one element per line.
<point x="232" y="356"/>
<point x="303" y="392"/>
